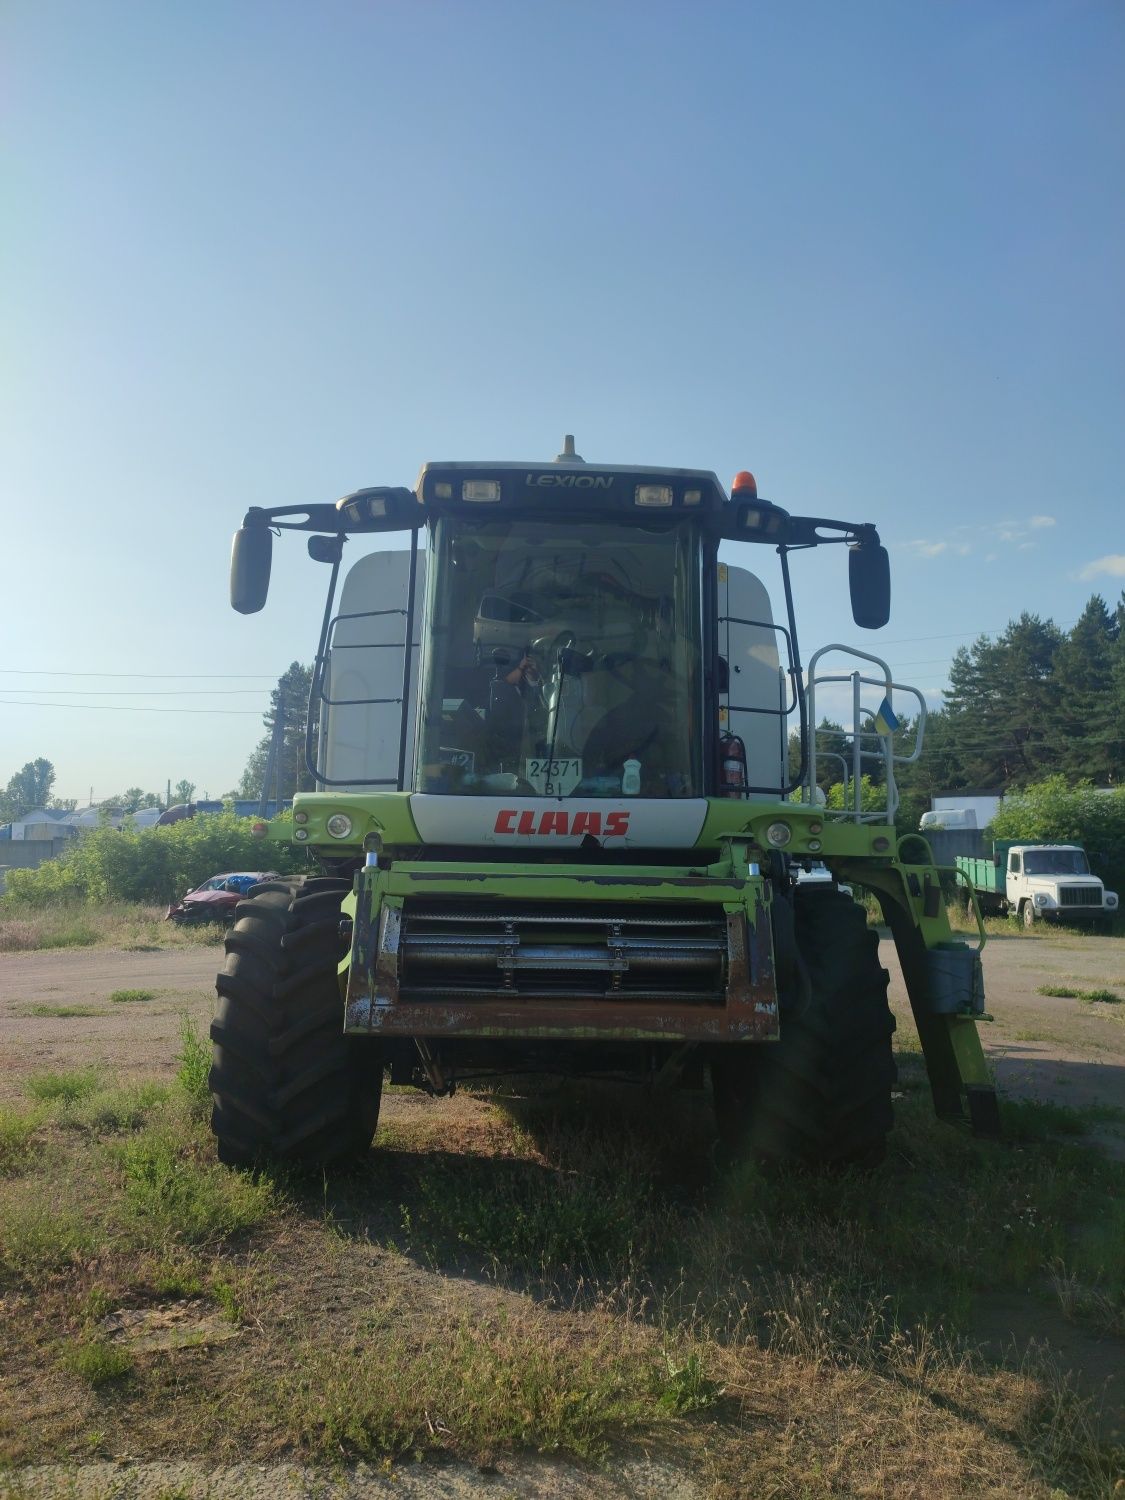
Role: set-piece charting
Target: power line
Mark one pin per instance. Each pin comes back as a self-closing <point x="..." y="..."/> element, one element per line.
<point x="158" y="676"/>
<point x="141" y="692"/>
<point x="129" y="708"/>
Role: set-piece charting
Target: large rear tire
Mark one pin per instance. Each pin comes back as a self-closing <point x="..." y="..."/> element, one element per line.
<point x="822" y="1094"/>
<point x="286" y="1083"/>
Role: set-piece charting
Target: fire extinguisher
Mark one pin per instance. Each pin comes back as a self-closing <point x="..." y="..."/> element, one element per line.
<point x="732" y="766"/>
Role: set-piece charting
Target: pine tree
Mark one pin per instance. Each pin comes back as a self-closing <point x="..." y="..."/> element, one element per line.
<point x="1086" y="722"/>
<point x="291" y="698"/>
<point x="1001" y="704"/>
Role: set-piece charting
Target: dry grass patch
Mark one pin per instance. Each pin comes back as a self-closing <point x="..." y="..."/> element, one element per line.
<point x="566" y="1273"/>
<point x="119" y="924"/>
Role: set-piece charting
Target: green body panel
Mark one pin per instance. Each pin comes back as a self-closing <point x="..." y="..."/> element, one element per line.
<point x="388" y="814"/>
<point x="713" y="883"/>
<point x="984" y="872"/>
<point x="909" y="889"/>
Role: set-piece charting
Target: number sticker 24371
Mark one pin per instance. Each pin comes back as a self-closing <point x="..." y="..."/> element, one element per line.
<point x="554" y="778"/>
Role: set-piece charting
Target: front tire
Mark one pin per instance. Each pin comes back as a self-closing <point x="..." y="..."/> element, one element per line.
<point x="1028" y="915"/>
<point x="821" y="1095"/>
<point x="286" y="1083"/>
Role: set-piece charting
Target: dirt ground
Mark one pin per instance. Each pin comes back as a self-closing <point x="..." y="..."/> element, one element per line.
<point x="1071" y="1052"/>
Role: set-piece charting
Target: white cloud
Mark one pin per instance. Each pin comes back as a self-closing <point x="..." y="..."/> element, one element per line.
<point x="1113" y="565"/>
<point x="923" y="548"/>
<point x="1038" y="522"/>
<point x="1027" y="546"/>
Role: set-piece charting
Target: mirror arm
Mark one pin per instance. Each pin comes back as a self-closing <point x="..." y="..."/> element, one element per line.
<point x="334" y="520"/>
<point x="803" y="531"/>
<point x="317" y="517"/>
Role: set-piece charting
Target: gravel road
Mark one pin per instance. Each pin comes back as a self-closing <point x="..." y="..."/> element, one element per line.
<point x="133" y="1038"/>
<point x="1068" y="1051"/>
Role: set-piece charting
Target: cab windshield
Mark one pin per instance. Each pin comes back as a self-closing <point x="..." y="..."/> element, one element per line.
<point x="1055" y="862"/>
<point x="564" y="660"/>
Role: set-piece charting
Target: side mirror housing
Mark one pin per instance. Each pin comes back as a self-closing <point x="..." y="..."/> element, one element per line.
<point x="869" y="581"/>
<point x="250" y="560"/>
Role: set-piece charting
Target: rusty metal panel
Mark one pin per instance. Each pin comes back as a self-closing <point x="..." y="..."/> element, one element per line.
<point x="743" y="1006"/>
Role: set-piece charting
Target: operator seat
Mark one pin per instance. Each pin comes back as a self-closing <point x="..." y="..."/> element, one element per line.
<point x="640" y="727"/>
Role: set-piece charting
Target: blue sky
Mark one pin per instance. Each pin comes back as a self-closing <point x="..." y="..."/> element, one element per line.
<point x="269" y="253"/>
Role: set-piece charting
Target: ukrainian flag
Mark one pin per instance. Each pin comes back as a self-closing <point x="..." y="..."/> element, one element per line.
<point x="885" y="720"/>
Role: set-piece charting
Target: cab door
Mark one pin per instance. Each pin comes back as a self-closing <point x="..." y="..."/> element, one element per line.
<point x="362" y="709"/>
<point x="754" y="707"/>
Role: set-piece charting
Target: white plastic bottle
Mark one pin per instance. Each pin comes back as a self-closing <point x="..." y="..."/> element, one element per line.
<point x="631" y="778"/>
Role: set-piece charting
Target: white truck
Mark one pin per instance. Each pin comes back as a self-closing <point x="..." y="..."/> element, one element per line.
<point x="1039" y="882"/>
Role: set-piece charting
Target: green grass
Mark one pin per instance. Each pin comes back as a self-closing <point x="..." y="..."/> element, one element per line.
<point x="478" y="1384"/>
<point x="531" y="1220"/>
<point x="1067" y="992"/>
<point x="117" y="1108"/>
<point x="1036" y="1120"/>
<point x="66" y="1087"/>
<point x="36" y="1238"/>
<point x="194" y="1066"/>
<point x="62" y="1012"/>
<point x="175" y="1193"/>
<point x="17" y="1138"/>
<point x="131" y="997"/>
<point x="97" y="1362"/>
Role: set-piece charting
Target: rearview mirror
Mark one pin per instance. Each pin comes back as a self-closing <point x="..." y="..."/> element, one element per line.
<point x="250" y="558"/>
<point x="869" y="580"/>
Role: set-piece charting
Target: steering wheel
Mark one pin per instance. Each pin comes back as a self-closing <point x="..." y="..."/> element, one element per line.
<point x="563" y="651"/>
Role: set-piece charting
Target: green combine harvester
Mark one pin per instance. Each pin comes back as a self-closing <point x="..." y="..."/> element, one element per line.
<point x="557" y="830"/>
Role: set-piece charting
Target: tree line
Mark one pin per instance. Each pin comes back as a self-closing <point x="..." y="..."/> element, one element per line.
<point x="31" y="788"/>
<point x="1033" y="703"/>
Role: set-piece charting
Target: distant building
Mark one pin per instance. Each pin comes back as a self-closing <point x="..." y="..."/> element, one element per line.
<point x="43" y="823"/>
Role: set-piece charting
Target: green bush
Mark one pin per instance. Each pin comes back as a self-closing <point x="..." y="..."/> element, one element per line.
<point x="149" y="864"/>
<point x="1057" y="811"/>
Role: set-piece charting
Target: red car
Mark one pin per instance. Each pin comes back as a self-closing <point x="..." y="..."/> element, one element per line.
<point x="216" y="899"/>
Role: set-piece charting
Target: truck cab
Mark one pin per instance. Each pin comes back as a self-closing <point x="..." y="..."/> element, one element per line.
<point x="1052" y="883"/>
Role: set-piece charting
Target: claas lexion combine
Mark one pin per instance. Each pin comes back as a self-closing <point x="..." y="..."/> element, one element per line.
<point x="559" y="832"/>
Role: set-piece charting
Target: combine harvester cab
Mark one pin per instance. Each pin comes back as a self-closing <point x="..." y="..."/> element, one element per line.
<point x="559" y="833"/>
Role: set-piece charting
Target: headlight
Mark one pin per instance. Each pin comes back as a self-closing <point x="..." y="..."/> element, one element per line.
<point x="778" y="834"/>
<point x="1111" y="898"/>
<point x="339" y="825"/>
<point x="1041" y="898"/>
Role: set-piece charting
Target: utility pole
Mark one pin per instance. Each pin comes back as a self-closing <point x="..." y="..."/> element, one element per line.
<point x="273" y="761"/>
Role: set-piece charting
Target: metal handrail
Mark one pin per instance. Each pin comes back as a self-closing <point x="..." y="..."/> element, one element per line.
<point x="858" y="734"/>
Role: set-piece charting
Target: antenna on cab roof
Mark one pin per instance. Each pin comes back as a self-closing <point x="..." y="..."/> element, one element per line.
<point x="568" y="455"/>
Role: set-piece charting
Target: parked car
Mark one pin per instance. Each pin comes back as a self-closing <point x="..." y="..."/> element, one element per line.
<point x="216" y="899"/>
<point x="816" y="872"/>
